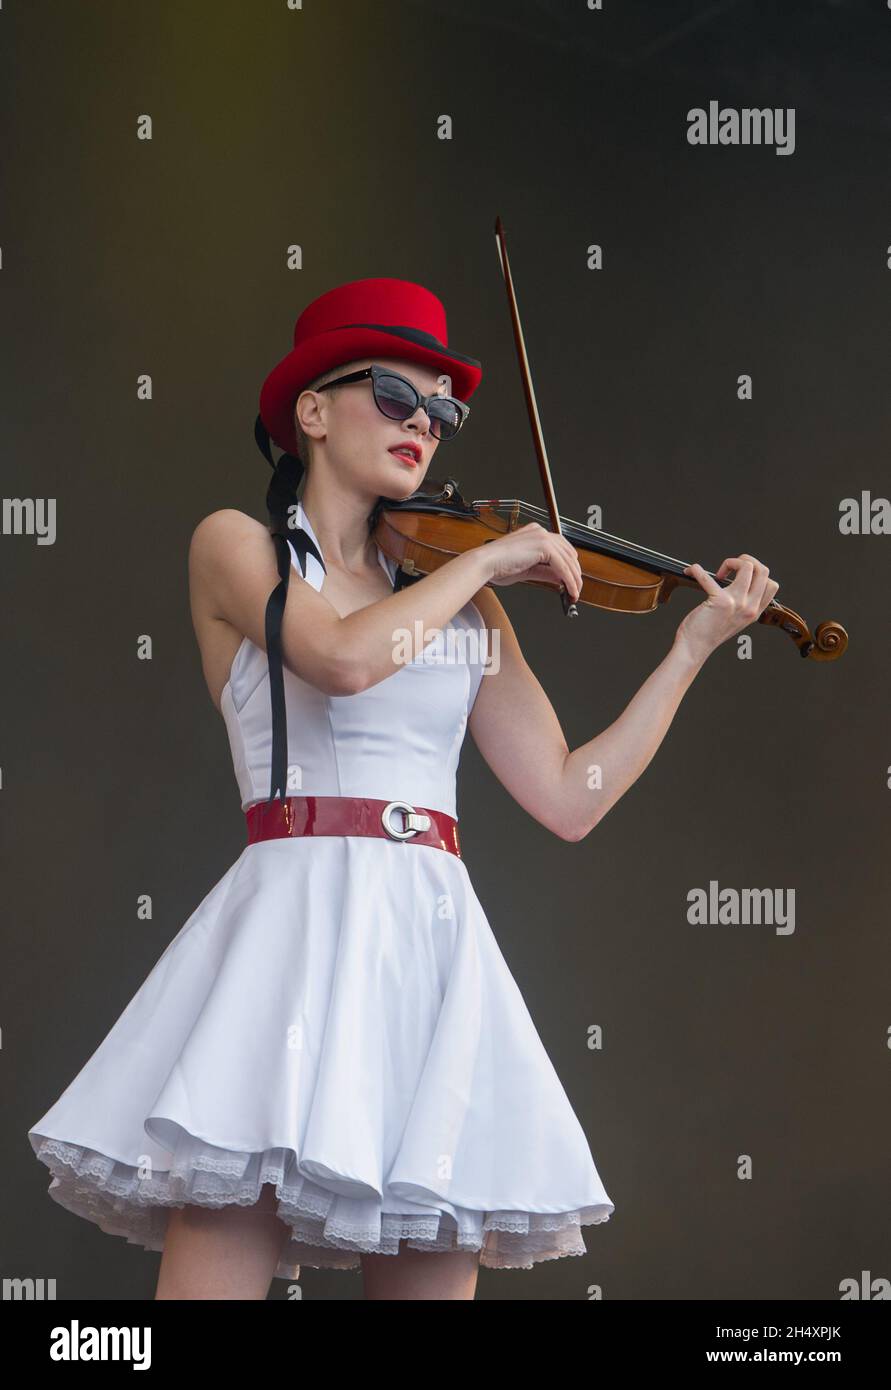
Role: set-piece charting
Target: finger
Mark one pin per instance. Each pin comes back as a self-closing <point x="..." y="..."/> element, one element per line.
<point x="573" y="557"/>
<point x="571" y="574"/>
<point x="761" y="584"/>
<point x="758" y="578"/>
<point x="767" y="593"/>
<point x="571" y="579"/>
<point x="551" y="575"/>
<point x="569" y="550"/>
<point x="567" y="562"/>
<point x="575" y="565"/>
<point x="704" y="579"/>
<point x="546" y="573"/>
<point x="742" y="580"/>
<point x="729" y="566"/>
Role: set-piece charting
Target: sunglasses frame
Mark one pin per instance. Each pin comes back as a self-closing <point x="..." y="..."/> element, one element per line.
<point x="375" y="372"/>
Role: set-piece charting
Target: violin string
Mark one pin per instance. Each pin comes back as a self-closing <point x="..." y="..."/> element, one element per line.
<point x="529" y="507"/>
<point x="642" y="550"/>
<point x="584" y="531"/>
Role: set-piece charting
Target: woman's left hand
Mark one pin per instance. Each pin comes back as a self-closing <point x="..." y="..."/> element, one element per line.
<point x="726" y="611"/>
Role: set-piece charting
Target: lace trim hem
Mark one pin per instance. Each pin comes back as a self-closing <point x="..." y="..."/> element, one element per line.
<point x="328" y="1231"/>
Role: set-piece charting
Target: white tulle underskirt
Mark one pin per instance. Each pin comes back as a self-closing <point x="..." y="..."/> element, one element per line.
<point x="327" y="1230"/>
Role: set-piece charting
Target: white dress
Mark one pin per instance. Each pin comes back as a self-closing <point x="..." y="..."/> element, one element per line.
<point x="336" y="1017"/>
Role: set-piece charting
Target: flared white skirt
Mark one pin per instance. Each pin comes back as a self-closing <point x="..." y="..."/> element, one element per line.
<point x="335" y="1018"/>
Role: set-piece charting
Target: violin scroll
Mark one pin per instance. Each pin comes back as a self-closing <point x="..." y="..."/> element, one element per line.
<point x="827" y="642"/>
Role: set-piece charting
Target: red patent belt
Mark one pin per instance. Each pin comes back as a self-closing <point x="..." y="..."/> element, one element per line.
<point x="352" y="815"/>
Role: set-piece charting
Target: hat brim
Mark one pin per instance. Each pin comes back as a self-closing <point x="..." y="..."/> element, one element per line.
<point x="303" y="364"/>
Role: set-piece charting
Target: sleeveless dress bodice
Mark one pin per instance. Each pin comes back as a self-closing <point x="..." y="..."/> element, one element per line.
<point x="400" y="739"/>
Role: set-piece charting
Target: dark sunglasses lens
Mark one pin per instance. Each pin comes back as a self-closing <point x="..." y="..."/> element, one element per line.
<point x="445" y="418"/>
<point x="395" y="397"/>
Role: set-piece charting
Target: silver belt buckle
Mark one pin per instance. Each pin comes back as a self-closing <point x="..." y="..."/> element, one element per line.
<point x="413" y="821"/>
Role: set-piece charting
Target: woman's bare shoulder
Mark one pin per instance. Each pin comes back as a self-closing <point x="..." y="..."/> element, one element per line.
<point x="222" y="528"/>
<point x="229" y="553"/>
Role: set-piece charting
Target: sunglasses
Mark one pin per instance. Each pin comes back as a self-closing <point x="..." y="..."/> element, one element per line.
<point x="398" y="399"/>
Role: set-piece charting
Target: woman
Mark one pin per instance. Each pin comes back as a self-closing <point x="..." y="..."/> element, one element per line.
<point x="331" y="1064"/>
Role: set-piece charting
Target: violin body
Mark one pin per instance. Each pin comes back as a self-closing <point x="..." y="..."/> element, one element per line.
<point x="429" y="528"/>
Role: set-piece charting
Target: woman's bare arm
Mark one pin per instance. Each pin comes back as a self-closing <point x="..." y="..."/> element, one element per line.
<point x="516" y="729"/>
<point x="514" y="725"/>
<point x="232" y="562"/>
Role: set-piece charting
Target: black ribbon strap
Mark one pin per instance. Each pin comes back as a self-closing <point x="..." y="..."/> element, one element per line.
<point x="275" y="608"/>
<point x="282" y="492"/>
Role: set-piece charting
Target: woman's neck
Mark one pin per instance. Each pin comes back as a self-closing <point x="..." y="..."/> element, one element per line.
<point x="340" y="522"/>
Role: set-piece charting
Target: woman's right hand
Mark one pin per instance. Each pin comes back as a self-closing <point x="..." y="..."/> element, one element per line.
<point x="533" y="552"/>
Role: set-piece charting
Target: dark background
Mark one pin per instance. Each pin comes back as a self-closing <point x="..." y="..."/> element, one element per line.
<point x="319" y="127"/>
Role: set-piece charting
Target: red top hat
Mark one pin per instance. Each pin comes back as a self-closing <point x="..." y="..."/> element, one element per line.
<point x="365" y="318"/>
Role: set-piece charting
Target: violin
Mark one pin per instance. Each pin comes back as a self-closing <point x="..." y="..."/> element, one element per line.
<point x="436" y="523"/>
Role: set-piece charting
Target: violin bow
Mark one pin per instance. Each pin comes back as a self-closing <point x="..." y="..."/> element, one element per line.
<point x="569" y="608"/>
<point x="828" y="640"/>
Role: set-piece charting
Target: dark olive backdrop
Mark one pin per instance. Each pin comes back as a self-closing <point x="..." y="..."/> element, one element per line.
<point x="319" y="127"/>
